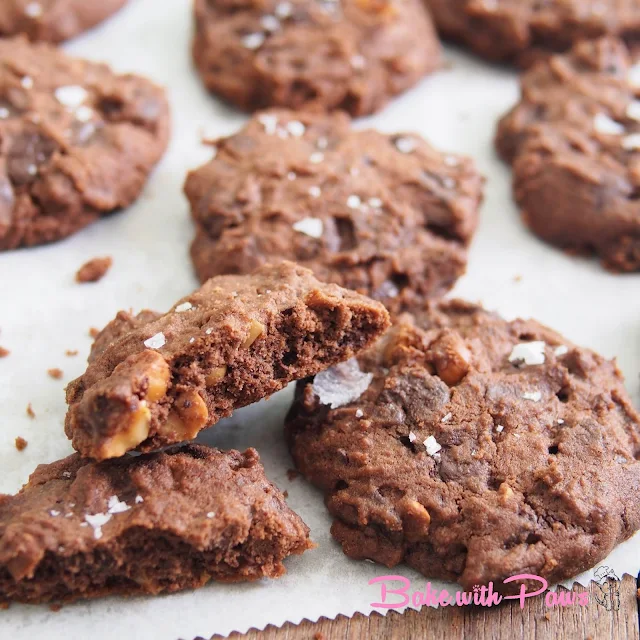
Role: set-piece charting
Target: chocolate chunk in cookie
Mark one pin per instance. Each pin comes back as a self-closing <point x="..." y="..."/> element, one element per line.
<point x="158" y="379"/>
<point x="574" y="141"/>
<point x="479" y="449"/>
<point x="352" y="55"/>
<point x="53" y="20"/>
<point x="524" y="31"/>
<point x="148" y="524"/>
<point x="386" y="215"/>
<point x="77" y="141"/>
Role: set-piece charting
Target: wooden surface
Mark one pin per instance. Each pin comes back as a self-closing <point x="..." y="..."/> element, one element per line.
<point x="508" y="621"/>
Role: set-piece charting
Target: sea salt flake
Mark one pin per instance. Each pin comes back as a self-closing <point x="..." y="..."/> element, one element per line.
<point x="359" y="413"/>
<point x="210" y="514"/>
<point x="536" y="396"/>
<point x="405" y="145"/>
<point x="312" y="227"/>
<point x="560" y="421"/>
<point x="283" y="9"/>
<point x="451" y="161"/>
<point x="33" y="10"/>
<point x="96" y="522"/>
<point x="354" y="202"/>
<point x="53" y="513"/>
<point x="633" y="110"/>
<point x="71" y="96"/>
<point x="432" y="446"/>
<point x="4" y="113"/>
<point x="561" y="350"/>
<point x="529" y="353"/>
<point x="115" y="505"/>
<point x="32" y="170"/>
<point x="27" y="82"/>
<point x="631" y="142"/>
<point x="184" y="306"/>
<point x="209" y="331"/>
<point x="358" y="61"/>
<point x="315" y="192"/>
<point x="253" y="40"/>
<point x="341" y="384"/>
<point x="269" y="122"/>
<point x="322" y="142"/>
<point x="296" y="128"/>
<point x="66" y="474"/>
<point x="633" y="75"/>
<point x="375" y="203"/>
<point x="155" y="342"/>
<point x="84" y="113"/>
<point x="192" y="340"/>
<point x="412" y="436"/>
<point x="316" y="157"/>
<point x="447" y="417"/>
<point x="499" y="428"/>
<point x="270" y="23"/>
<point x="602" y="123"/>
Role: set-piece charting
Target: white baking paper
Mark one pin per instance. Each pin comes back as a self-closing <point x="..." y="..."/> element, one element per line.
<point x="43" y="312"/>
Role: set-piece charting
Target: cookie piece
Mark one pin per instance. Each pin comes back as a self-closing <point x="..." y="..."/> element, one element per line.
<point x="149" y="524"/>
<point x="574" y="141"/>
<point x="76" y="141"/>
<point x="524" y="31"/>
<point x="353" y="55"/>
<point x="157" y="379"/>
<point x="479" y="449"/>
<point x="386" y="215"/>
<point x="53" y="20"/>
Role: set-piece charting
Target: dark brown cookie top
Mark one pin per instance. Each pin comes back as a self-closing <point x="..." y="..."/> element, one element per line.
<point x="473" y="449"/>
<point x="76" y="141"/>
<point x="386" y="215"/>
<point x="53" y="20"/>
<point x="146" y="524"/>
<point x="158" y="379"/>
<point x="574" y="139"/>
<point x="352" y="55"/>
<point x="524" y="31"/>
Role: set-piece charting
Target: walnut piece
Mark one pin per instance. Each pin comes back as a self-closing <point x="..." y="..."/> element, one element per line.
<point x="215" y="376"/>
<point x="256" y="329"/>
<point x="450" y="357"/>
<point x="188" y="416"/>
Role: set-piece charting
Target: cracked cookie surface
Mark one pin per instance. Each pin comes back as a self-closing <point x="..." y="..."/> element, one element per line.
<point x="77" y="141"/>
<point x="352" y="55"/>
<point x="479" y="450"/>
<point x="155" y="379"/>
<point x="53" y="20"/>
<point x="524" y="31"/>
<point x="386" y="215"/>
<point x="148" y="524"/>
<point x="574" y="142"/>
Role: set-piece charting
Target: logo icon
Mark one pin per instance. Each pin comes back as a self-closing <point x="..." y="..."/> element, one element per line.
<point x="608" y="594"/>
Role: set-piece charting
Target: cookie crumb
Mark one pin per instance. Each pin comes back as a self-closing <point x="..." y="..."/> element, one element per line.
<point x="94" y="270"/>
<point x="71" y="352"/>
<point x="4" y="606"/>
<point x="285" y="493"/>
<point x="517" y="278"/>
<point x="55" y="607"/>
<point x="93" y="332"/>
<point x="30" y="412"/>
<point x="4" y="352"/>
<point x="292" y="474"/>
<point x="55" y="373"/>
<point x="547" y="616"/>
<point x="318" y="635"/>
<point x="21" y="443"/>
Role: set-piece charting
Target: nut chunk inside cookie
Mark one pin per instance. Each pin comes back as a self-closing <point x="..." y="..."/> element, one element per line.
<point x="158" y="379"/>
<point x="480" y="449"/>
<point x="149" y="524"/>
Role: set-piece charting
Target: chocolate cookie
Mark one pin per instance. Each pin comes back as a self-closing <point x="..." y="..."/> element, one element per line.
<point x="386" y="215"/>
<point x="149" y="524"/>
<point x="157" y="379"/>
<point x="524" y="31"/>
<point x="352" y="55"/>
<point x="574" y="141"/>
<point x="77" y="141"/>
<point x="473" y="449"/>
<point x="53" y="20"/>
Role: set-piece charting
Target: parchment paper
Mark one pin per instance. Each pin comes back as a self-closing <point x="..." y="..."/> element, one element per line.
<point x="43" y="312"/>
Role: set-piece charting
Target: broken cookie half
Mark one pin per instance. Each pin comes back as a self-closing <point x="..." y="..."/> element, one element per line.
<point x="154" y="380"/>
<point x="155" y="523"/>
